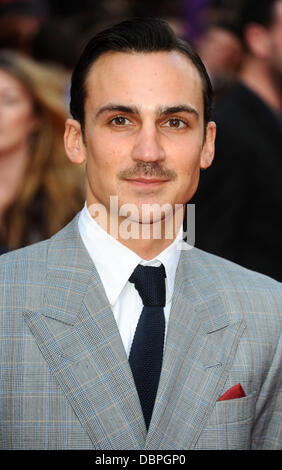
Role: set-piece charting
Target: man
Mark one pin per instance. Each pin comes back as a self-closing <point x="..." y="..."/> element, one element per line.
<point x="117" y="342"/>
<point x="248" y="150"/>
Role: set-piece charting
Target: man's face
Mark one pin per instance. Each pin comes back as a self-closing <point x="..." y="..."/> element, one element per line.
<point x="144" y="129"/>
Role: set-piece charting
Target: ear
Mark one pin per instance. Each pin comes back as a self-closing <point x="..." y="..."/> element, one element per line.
<point x="207" y="153"/>
<point x="258" y="40"/>
<point x="73" y="139"/>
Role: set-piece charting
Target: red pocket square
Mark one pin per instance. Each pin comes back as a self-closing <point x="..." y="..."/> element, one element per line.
<point x="234" y="392"/>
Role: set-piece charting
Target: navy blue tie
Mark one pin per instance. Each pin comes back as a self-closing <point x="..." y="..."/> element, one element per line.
<point x="146" y="352"/>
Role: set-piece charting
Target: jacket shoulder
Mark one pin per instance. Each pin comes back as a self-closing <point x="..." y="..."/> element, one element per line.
<point x="244" y="294"/>
<point x="22" y="278"/>
<point x="228" y="275"/>
<point x="18" y="258"/>
<point x="37" y="253"/>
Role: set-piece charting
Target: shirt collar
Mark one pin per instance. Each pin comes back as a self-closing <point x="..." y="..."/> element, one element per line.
<point x="115" y="262"/>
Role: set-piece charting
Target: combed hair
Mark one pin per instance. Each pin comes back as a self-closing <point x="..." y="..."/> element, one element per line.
<point x="143" y="35"/>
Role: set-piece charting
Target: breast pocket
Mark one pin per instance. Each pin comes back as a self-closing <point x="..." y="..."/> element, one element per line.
<point x="229" y="425"/>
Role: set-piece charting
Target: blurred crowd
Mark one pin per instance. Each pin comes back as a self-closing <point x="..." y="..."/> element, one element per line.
<point x="239" y="199"/>
<point x="240" y="41"/>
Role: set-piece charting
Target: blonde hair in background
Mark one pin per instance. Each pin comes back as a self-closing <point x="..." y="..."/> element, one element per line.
<point x="60" y="183"/>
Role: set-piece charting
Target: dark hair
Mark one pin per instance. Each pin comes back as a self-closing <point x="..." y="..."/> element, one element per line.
<point x="256" y="11"/>
<point x="133" y="35"/>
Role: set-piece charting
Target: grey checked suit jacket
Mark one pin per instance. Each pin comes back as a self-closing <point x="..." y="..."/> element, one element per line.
<point x="65" y="379"/>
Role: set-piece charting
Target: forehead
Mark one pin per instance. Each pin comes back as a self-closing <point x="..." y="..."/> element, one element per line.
<point x="147" y="80"/>
<point x="7" y="79"/>
<point x="9" y="83"/>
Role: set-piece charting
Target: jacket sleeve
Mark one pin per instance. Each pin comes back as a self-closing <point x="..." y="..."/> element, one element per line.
<point x="267" y="431"/>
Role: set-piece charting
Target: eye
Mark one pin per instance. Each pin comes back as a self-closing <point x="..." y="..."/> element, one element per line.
<point x="120" y="121"/>
<point x="176" y="123"/>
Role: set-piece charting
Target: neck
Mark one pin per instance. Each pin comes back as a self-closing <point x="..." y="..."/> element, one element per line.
<point x="152" y="239"/>
<point x="146" y="240"/>
<point x="12" y="168"/>
<point x="258" y="77"/>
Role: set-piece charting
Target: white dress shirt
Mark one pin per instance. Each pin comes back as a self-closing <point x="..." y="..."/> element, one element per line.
<point x="115" y="264"/>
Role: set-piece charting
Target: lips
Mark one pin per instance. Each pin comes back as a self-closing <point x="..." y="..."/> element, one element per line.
<point x="146" y="181"/>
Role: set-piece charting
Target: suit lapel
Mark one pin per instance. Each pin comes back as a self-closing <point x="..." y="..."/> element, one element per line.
<point x="78" y="336"/>
<point x="200" y="347"/>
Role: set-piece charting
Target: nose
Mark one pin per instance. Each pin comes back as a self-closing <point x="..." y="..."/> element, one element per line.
<point x="147" y="146"/>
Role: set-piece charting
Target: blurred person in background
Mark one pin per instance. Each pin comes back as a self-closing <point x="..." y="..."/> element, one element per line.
<point x="248" y="150"/>
<point x="20" y="20"/>
<point x="212" y="27"/>
<point x="40" y="190"/>
<point x="221" y="51"/>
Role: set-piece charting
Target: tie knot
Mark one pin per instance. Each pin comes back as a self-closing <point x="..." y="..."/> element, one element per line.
<point x="150" y="283"/>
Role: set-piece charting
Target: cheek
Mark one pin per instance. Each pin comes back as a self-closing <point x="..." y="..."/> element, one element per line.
<point x="106" y="155"/>
<point x="21" y="119"/>
<point x="187" y="160"/>
<point x="102" y="167"/>
<point x="187" y="166"/>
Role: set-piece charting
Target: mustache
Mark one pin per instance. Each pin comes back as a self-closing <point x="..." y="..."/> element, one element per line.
<point x="147" y="169"/>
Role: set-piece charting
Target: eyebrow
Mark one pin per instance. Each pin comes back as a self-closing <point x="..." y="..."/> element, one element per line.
<point x="161" y="111"/>
<point x="117" y="107"/>
<point x="183" y="108"/>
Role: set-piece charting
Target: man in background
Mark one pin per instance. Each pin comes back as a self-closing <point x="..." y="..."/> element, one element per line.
<point x="238" y="203"/>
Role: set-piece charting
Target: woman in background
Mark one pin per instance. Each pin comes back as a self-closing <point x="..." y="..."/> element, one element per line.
<point x="40" y="190"/>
